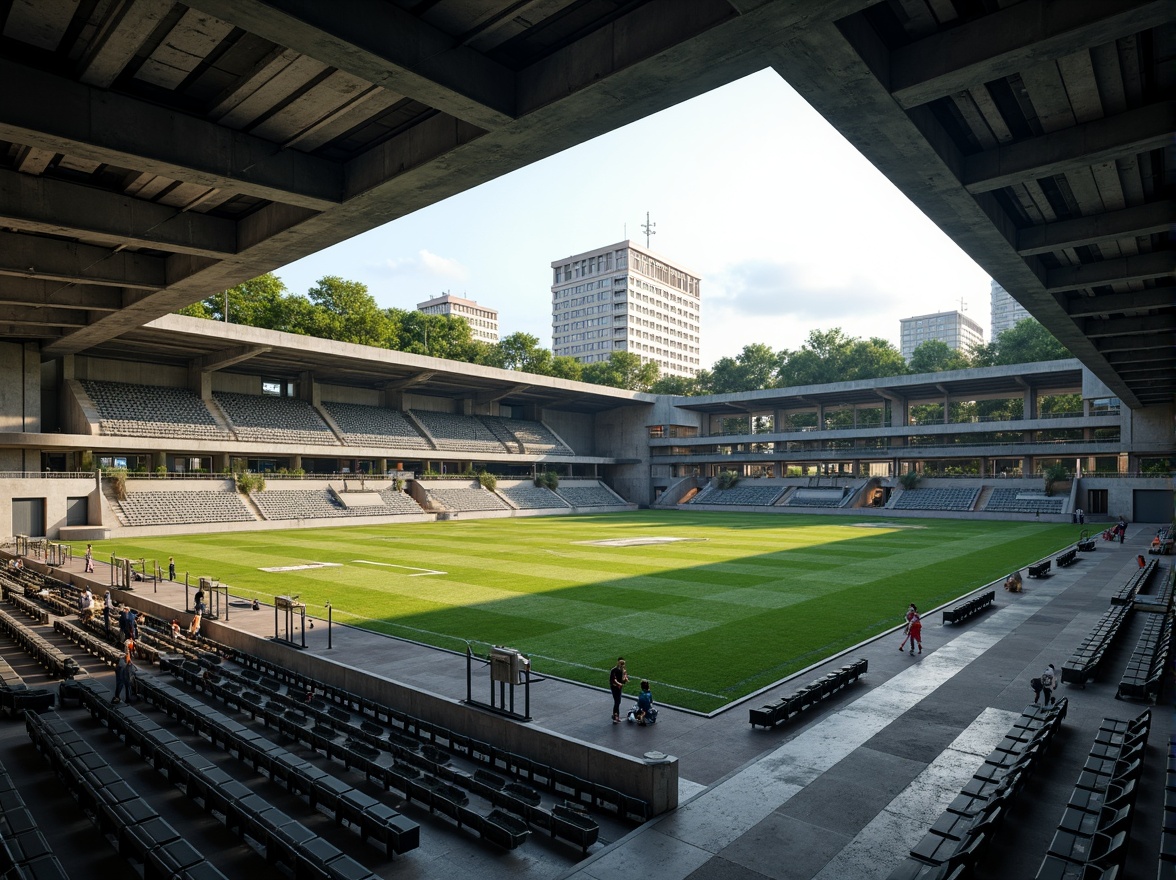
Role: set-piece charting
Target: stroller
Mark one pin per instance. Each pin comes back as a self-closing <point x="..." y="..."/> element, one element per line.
<point x="650" y="716"/>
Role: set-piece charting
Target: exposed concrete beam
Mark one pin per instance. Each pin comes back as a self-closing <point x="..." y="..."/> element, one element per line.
<point x="1100" y="328"/>
<point x="228" y="357"/>
<point x="1118" y="303"/>
<point x="1083" y="145"/>
<point x="63" y="116"/>
<point x="1158" y="264"/>
<point x="1007" y="41"/>
<point x="385" y="45"/>
<point x="1137" y="342"/>
<point x="60" y="260"/>
<point x="495" y="395"/>
<point x="127" y="24"/>
<point x="56" y="295"/>
<point x="40" y="204"/>
<point x="1160" y="371"/>
<point x="32" y="316"/>
<point x="402" y="384"/>
<point x="1127" y="223"/>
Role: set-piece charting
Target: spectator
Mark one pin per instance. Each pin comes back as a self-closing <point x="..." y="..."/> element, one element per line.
<point x="107" y="607"/>
<point x="124" y="677"/>
<point x="645" y="713"/>
<point x="171" y="568"/>
<point x="198" y="601"/>
<point x="194" y="626"/>
<point x="89" y="557"/>
<point x="616" y="683"/>
<point x="914" y="629"/>
<point x="132" y="624"/>
<point x="1049" y="680"/>
<point x="1013" y="582"/>
<point x="86" y="604"/>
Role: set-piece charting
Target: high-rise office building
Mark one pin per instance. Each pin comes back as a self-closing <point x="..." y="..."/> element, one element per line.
<point x="954" y="328"/>
<point x="483" y="321"/>
<point x="1006" y="311"/>
<point x="624" y="297"/>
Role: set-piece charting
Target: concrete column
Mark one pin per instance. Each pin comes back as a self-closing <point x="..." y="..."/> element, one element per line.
<point x="295" y="462"/>
<point x="820" y="417"/>
<point x="1030" y="403"/>
<point x="160" y="458"/>
<point x="220" y="463"/>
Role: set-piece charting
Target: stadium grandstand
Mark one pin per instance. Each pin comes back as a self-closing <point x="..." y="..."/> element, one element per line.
<point x="153" y="153"/>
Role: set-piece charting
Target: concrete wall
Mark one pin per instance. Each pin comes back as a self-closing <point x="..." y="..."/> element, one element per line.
<point x="577" y="429"/>
<point x="624" y="433"/>
<point x="105" y="370"/>
<point x="54" y="491"/>
<point x="1120" y="493"/>
<point x="1150" y="430"/>
<point x="20" y="392"/>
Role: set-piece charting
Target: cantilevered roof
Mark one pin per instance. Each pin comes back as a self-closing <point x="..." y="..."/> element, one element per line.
<point x="155" y="152"/>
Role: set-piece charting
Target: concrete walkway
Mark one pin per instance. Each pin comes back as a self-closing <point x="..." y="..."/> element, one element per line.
<point x="846" y="791"/>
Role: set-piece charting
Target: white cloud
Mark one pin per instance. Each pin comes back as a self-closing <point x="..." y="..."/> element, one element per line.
<point x="427" y="263"/>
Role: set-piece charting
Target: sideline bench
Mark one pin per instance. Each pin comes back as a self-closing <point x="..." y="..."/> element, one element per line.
<point x="778" y="711"/>
<point x="1067" y="558"/>
<point x="1039" y="569"/>
<point x="973" y="606"/>
<point x="1086" y="545"/>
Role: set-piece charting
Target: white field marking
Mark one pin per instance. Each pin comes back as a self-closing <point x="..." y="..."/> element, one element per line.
<point x="306" y="566"/>
<point x="420" y="572"/>
<point x="637" y="542"/>
<point x="883" y="525"/>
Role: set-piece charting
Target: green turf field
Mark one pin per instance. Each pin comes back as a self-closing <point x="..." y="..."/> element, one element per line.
<point x="745" y="600"/>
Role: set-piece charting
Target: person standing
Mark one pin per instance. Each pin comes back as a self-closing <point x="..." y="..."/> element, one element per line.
<point x="124" y="677"/>
<point x="171" y="568"/>
<point x="198" y="601"/>
<point x="1121" y="529"/>
<point x="914" y="629"/>
<point x="1049" y="680"/>
<point x="107" y="608"/>
<point x="616" y="683"/>
<point x="89" y="557"/>
<point x="911" y="614"/>
<point x="87" y="605"/>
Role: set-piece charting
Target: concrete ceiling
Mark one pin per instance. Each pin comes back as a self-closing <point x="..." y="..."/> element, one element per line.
<point x="153" y="153"/>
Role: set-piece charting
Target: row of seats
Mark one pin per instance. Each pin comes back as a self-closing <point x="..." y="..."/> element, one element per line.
<point x="1168" y="839"/>
<point x="1145" y="670"/>
<point x="589" y="496"/>
<point x="1136" y="584"/>
<point x="24" y="852"/>
<point x="1006" y="501"/>
<point x="954" y="843"/>
<point x="533" y="437"/>
<point x="285" y="840"/>
<point x="48" y="655"/>
<point x="417" y="776"/>
<point x="1097" y="821"/>
<point x="466" y="498"/>
<point x="375" y="426"/>
<point x="458" y="433"/>
<point x="263" y="419"/>
<point x="182" y="507"/>
<point x="115" y="807"/>
<point x="972" y="607"/>
<point x="753" y="496"/>
<point x="399" y="502"/>
<point x="582" y="791"/>
<point x="320" y="504"/>
<point x="89" y="642"/>
<point x="420" y="771"/>
<point x="130" y="410"/>
<point x="371" y="819"/>
<point x="779" y="711"/>
<point x="525" y="496"/>
<point x="816" y="498"/>
<point x="936" y="499"/>
<point x="1080" y="668"/>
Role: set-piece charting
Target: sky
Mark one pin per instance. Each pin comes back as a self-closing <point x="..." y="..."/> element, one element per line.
<point x="739" y="184"/>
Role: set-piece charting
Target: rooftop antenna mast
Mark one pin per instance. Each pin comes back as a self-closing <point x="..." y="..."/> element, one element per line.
<point x="963" y="305"/>
<point x="648" y="228"/>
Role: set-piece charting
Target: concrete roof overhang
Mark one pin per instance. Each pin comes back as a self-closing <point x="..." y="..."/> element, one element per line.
<point x="176" y="340"/>
<point x="154" y="152"/>
<point x="977" y="383"/>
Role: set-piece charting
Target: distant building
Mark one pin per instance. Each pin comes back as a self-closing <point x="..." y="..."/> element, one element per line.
<point x="954" y="328"/>
<point x="483" y="321"/>
<point x="1006" y="311"/>
<point x="624" y="297"/>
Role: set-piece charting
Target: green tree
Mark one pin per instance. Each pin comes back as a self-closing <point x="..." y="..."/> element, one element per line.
<point x="623" y="369"/>
<point x="566" y="367"/>
<point x="346" y="312"/>
<point x="681" y="386"/>
<point x="935" y="356"/>
<point x="1028" y="342"/>
<point x="522" y="352"/>
<point x="756" y="367"/>
<point x="259" y="302"/>
<point x="831" y="356"/>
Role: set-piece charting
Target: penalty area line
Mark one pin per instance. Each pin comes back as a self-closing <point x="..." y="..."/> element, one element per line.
<point x="420" y="572"/>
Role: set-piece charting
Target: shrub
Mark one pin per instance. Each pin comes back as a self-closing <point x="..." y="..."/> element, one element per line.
<point x="488" y="481"/>
<point x="728" y="479"/>
<point x="398" y="484"/>
<point x="248" y="483"/>
<point x="119" y="476"/>
<point x="1054" y="473"/>
<point x="910" y="479"/>
<point x="161" y="470"/>
<point x="547" y="480"/>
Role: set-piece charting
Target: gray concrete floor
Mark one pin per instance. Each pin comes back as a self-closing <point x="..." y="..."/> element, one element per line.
<point x="842" y="792"/>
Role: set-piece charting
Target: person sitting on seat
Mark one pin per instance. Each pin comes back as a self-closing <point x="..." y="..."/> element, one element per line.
<point x="1013" y="582"/>
<point x="645" y="713"/>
